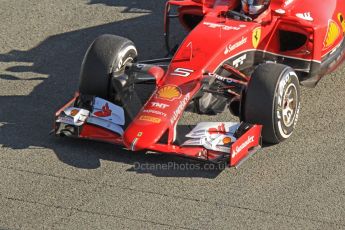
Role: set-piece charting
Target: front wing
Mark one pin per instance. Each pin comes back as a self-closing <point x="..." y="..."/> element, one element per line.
<point x="104" y="121"/>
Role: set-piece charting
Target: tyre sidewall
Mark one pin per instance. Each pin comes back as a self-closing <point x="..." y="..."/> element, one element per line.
<point x="127" y="53"/>
<point x="105" y="57"/>
<point x="260" y="100"/>
<point x="287" y="78"/>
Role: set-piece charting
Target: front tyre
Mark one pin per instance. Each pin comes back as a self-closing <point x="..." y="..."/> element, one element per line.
<point x="107" y="56"/>
<point x="272" y="99"/>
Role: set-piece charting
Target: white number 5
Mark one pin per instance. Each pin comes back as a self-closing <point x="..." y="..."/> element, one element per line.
<point x="181" y="72"/>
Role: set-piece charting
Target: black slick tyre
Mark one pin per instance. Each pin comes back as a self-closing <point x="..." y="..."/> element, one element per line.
<point x="272" y="99"/>
<point x="106" y="57"/>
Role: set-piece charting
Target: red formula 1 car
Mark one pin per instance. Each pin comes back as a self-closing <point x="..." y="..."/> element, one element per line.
<point x="252" y="66"/>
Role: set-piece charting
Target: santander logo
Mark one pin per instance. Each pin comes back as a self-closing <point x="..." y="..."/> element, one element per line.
<point x="238" y="44"/>
<point x="243" y="146"/>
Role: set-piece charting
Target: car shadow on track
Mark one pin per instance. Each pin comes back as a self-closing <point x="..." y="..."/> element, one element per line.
<point x="25" y="121"/>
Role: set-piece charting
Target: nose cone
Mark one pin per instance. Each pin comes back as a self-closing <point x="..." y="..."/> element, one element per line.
<point x="160" y="113"/>
<point x="144" y="132"/>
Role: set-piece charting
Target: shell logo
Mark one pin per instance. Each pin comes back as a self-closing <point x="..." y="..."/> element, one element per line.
<point x="227" y="140"/>
<point x="332" y="35"/>
<point x="169" y="92"/>
<point x="74" y="112"/>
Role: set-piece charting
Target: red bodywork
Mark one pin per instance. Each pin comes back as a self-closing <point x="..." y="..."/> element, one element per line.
<point x="316" y="25"/>
<point x="203" y="51"/>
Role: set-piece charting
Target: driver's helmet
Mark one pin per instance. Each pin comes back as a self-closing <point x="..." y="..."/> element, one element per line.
<point x="254" y="7"/>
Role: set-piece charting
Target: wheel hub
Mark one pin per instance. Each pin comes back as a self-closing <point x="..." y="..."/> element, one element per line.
<point x="289" y="105"/>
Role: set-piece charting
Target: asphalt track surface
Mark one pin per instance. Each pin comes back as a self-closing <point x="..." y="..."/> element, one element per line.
<point x="57" y="183"/>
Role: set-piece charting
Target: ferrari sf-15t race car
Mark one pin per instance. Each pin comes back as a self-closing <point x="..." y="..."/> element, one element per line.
<point x="253" y="66"/>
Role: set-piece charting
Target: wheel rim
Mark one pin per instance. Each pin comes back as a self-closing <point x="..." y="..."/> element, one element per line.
<point x="126" y="56"/>
<point x="122" y="65"/>
<point x="290" y="101"/>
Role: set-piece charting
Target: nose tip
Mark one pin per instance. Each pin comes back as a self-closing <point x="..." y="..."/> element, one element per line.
<point x="132" y="144"/>
<point x="135" y="142"/>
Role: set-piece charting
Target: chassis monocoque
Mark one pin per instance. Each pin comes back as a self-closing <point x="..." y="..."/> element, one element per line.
<point x="252" y="66"/>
